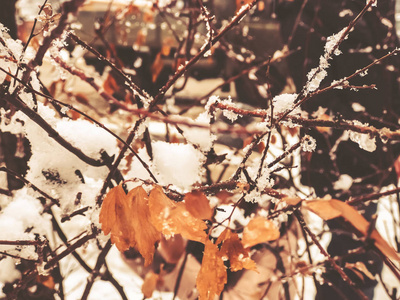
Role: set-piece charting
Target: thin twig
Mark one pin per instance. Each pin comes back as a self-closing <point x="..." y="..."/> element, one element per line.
<point x="128" y="80"/>
<point x="30" y="184"/>
<point x="91" y="119"/>
<point x="331" y="261"/>
<point x="69" y="250"/>
<point x="96" y="271"/>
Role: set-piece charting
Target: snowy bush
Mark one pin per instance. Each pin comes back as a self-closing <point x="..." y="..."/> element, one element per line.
<point x="127" y="191"/>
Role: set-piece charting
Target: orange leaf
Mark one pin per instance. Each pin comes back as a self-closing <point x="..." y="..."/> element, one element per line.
<point x="157" y="67"/>
<point x="259" y="230"/>
<point x="47" y="281"/>
<point x="198" y="205"/>
<point x="224" y="196"/>
<point x="149" y="284"/>
<point x="172" y="249"/>
<point x="212" y="276"/>
<point x="127" y="217"/>
<point x="291" y="201"/>
<point x="172" y="218"/>
<point x="233" y="249"/>
<point x="330" y="209"/>
<point x="110" y="85"/>
<point x="113" y="217"/>
<point x="323" y="209"/>
<point x="143" y="234"/>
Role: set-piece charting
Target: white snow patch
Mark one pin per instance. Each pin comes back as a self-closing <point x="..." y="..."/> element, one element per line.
<point x="178" y="164"/>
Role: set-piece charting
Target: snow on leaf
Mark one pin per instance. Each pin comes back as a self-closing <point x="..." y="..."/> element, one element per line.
<point x="232" y="248"/>
<point x="212" y="276"/>
<point x="127" y="218"/>
<point x="198" y="205"/>
<point x="259" y="230"/>
<point x="172" y="218"/>
<point x="330" y="209"/>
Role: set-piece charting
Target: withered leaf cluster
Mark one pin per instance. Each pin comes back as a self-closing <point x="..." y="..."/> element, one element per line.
<point x="139" y="220"/>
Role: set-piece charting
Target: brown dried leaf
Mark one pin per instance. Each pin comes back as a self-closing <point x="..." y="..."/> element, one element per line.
<point x="127" y="218"/>
<point x="259" y="230"/>
<point x="149" y="284"/>
<point x="273" y="139"/>
<point x="224" y="196"/>
<point x="212" y="276"/>
<point x="172" y="218"/>
<point x="47" y="281"/>
<point x="323" y="209"/>
<point x="143" y="234"/>
<point x="172" y="249"/>
<point x="114" y="218"/>
<point x="198" y="205"/>
<point x="157" y="67"/>
<point x="329" y="209"/>
<point x="292" y="201"/>
<point x="233" y="249"/>
<point x="110" y="85"/>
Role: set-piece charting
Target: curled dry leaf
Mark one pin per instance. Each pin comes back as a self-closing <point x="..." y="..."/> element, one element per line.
<point x="330" y="209"/>
<point x="259" y="230"/>
<point x="232" y="248"/>
<point x="172" y="218"/>
<point x="127" y="218"/>
<point x="149" y="284"/>
<point x="212" y="276"/>
<point x="198" y="205"/>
